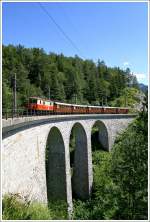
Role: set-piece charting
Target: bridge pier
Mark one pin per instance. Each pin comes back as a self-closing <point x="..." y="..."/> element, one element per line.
<point x="55" y="166"/>
<point x="80" y="178"/>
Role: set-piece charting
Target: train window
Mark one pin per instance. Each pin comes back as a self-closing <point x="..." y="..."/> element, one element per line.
<point x="47" y="103"/>
<point x="38" y="101"/>
<point x="31" y="100"/>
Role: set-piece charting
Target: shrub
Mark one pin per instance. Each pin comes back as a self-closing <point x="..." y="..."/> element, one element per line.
<point x="15" y="208"/>
<point x="58" y="209"/>
<point x="38" y="211"/>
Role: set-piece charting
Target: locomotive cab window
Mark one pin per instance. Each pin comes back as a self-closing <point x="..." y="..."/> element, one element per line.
<point x="31" y="100"/>
<point x="39" y="101"/>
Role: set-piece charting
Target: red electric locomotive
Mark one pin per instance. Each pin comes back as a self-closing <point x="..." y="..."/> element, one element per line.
<point x="37" y="104"/>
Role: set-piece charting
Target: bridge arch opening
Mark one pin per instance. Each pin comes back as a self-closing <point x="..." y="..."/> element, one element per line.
<point x="79" y="162"/>
<point x="55" y="166"/>
<point x="99" y="136"/>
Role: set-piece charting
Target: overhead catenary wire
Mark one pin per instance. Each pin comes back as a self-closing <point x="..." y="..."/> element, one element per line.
<point x="73" y="26"/>
<point x="67" y="18"/>
<point x="60" y="29"/>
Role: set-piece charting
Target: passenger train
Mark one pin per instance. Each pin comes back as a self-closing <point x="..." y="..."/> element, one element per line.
<point x="37" y="105"/>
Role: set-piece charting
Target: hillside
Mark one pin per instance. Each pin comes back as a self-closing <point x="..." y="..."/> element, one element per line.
<point x="143" y="87"/>
<point x="66" y="79"/>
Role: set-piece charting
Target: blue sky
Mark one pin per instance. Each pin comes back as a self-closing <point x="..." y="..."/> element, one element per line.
<point x="114" y="32"/>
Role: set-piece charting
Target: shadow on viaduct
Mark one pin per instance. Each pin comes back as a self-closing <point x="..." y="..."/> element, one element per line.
<point x="36" y="156"/>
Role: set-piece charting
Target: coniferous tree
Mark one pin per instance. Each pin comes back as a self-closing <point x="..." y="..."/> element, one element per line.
<point x="69" y="79"/>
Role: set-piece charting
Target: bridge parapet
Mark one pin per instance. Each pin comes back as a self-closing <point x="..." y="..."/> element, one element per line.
<point x="12" y="125"/>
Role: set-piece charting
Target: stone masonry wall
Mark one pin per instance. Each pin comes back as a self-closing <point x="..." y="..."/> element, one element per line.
<point x="23" y="157"/>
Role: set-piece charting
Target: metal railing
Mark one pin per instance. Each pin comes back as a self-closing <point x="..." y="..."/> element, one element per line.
<point x="9" y="113"/>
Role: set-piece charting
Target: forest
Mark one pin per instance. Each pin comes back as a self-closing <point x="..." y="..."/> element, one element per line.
<point x="65" y="79"/>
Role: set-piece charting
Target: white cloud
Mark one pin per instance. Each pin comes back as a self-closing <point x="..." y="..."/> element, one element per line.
<point x="126" y="63"/>
<point x="140" y="76"/>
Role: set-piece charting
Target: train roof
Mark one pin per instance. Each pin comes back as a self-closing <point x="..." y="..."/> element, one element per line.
<point x="67" y="104"/>
<point x="77" y="105"/>
<point x="35" y="97"/>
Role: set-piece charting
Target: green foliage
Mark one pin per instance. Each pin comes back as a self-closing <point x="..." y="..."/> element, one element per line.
<point x="15" y="208"/>
<point x="103" y="187"/>
<point x="102" y="204"/>
<point x="120" y="188"/>
<point x="129" y="168"/>
<point x="96" y="145"/>
<point x="7" y="96"/>
<point x="129" y="97"/>
<point x="82" y="210"/>
<point x="38" y="211"/>
<point x="69" y="79"/>
<point x="58" y="209"/>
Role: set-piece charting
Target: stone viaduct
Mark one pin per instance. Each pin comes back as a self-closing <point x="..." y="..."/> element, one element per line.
<point x="36" y="157"/>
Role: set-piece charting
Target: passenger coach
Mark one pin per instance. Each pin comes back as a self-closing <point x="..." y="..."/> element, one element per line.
<point x="36" y="105"/>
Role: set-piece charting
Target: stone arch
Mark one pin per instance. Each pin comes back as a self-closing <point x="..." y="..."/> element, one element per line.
<point x="80" y="180"/>
<point x="55" y="166"/>
<point x="102" y="134"/>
